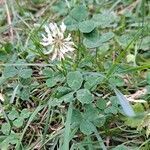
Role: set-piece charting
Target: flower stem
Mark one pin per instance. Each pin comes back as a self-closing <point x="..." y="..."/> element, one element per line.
<point x="64" y="70"/>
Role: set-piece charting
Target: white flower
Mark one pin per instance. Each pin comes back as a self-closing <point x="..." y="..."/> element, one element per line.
<point x="60" y="46"/>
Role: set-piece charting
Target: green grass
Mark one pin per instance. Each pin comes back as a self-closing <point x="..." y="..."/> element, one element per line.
<point x="78" y="103"/>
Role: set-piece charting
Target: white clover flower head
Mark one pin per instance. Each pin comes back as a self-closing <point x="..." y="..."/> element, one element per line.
<point x="60" y="45"/>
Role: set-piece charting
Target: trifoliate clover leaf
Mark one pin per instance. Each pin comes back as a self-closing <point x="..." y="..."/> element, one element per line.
<point x="79" y="13"/>
<point x="86" y="26"/>
<point x="87" y="127"/>
<point x="84" y="96"/>
<point x="74" y="80"/>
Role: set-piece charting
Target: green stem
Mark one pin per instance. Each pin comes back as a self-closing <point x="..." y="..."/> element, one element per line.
<point x="47" y="124"/>
<point x="64" y="70"/>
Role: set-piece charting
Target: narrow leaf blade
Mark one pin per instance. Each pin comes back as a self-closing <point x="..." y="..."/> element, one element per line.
<point x="128" y="110"/>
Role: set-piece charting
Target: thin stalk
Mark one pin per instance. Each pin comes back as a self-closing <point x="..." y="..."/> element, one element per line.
<point x="121" y="56"/>
<point x="64" y="70"/>
<point x="102" y="145"/>
<point x="67" y="129"/>
<point x="49" y="115"/>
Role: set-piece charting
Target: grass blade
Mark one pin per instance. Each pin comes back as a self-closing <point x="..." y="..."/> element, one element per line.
<point x="29" y="121"/>
<point x="67" y="129"/>
<point x="102" y="145"/>
<point x="122" y="54"/>
<point x="128" y="110"/>
<point x="49" y="115"/>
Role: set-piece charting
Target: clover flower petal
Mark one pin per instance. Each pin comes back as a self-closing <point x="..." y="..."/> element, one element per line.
<point x="55" y="38"/>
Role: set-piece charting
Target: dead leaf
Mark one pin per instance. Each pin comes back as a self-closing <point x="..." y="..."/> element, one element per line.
<point x="136" y="96"/>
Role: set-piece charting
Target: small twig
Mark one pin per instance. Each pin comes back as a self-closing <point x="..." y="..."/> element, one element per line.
<point x="135" y="97"/>
<point x="108" y="141"/>
<point x="9" y="21"/>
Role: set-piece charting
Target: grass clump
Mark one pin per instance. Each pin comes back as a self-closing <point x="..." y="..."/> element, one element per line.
<point x="74" y="75"/>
